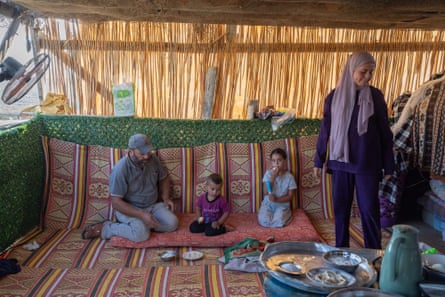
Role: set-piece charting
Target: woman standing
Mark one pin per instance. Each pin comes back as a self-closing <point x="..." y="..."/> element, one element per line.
<point x="355" y="143"/>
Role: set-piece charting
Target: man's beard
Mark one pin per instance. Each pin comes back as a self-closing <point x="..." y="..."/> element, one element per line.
<point x="137" y="162"/>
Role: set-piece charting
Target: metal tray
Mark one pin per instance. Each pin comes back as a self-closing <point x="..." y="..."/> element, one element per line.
<point x="307" y="255"/>
<point x="362" y="292"/>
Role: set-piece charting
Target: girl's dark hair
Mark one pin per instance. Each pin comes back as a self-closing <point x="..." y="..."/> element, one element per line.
<point x="279" y="151"/>
<point x="215" y="178"/>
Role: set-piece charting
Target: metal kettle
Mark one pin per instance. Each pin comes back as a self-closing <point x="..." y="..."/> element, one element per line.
<point x="401" y="269"/>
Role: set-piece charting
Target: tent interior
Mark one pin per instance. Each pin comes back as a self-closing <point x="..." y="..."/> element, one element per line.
<point x="194" y="60"/>
<point x="210" y="59"/>
<point x="287" y="54"/>
<point x="283" y="54"/>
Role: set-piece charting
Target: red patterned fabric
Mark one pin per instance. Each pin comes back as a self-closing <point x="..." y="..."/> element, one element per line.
<point x="204" y="163"/>
<point x="315" y="194"/>
<point x="177" y="161"/>
<point x="245" y="224"/>
<point x="241" y="169"/>
<point x="65" y="249"/>
<point x="243" y="165"/>
<point x="86" y="170"/>
<point x="77" y="176"/>
<point x="101" y="161"/>
<point x="188" y="169"/>
<point x="65" y="196"/>
<point x="199" y="280"/>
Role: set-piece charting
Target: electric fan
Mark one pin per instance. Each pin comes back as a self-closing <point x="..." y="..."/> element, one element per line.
<point x="21" y="77"/>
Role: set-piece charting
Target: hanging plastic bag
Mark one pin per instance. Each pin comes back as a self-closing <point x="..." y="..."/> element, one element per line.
<point x="123" y="95"/>
<point x="53" y="104"/>
<point x="287" y="117"/>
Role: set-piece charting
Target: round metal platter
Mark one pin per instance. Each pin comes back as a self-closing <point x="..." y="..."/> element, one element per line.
<point x="307" y="255"/>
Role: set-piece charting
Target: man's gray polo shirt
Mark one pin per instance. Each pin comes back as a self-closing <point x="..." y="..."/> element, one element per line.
<point x="137" y="187"/>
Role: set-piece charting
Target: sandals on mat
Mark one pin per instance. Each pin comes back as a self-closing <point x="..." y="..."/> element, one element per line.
<point x="93" y="230"/>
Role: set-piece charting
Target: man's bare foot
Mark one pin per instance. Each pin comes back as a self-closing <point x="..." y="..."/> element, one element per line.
<point x="93" y="230"/>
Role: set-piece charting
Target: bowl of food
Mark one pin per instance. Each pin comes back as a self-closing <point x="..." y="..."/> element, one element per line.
<point x="167" y="255"/>
<point x="331" y="278"/>
<point x="434" y="267"/>
<point x="342" y="259"/>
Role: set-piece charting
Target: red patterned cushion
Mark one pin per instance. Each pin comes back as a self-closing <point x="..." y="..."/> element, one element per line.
<point x="243" y="165"/>
<point x="77" y="176"/>
<point x="240" y="168"/>
<point x="188" y="169"/>
<point x="315" y="193"/>
<point x="101" y="161"/>
<point x="176" y="161"/>
<point x="64" y="197"/>
<point x="300" y="229"/>
<point x="77" y="194"/>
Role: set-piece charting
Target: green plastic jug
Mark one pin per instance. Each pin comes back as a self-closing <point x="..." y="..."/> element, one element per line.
<point x="401" y="269"/>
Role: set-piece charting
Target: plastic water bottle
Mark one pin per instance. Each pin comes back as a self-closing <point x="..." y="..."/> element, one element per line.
<point x="269" y="187"/>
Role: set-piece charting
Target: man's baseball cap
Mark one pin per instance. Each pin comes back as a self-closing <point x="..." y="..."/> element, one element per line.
<point x="140" y="142"/>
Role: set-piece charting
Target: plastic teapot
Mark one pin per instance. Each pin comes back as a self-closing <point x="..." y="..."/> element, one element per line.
<point x="401" y="269"/>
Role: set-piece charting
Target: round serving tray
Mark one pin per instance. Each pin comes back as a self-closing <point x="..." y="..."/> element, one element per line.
<point x="307" y="255"/>
<point x="362" y="292"/>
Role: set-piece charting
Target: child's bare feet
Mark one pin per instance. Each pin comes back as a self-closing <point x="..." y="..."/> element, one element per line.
<point x="229" y="228"/>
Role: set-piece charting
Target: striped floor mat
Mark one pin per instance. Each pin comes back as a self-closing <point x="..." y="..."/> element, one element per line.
<point x="203" y="280"/>
<point x="326" y="230"/>
<point x="67" y="266"/>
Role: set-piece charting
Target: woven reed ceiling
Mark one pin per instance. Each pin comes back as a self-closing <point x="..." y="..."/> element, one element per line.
<point x="358" y="14"/>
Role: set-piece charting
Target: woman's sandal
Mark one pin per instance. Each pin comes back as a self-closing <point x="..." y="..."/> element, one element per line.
<point x="93" y="230"/>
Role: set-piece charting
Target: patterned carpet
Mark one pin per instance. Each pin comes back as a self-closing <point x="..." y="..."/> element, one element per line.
<point x="194" y="280"/>
<point x="95" y="268"/>
<point x="326" y="230"/>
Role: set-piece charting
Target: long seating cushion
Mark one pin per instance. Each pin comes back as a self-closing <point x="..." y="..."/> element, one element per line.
<point x="76" y="192"/>
<point x="245" y="224"/>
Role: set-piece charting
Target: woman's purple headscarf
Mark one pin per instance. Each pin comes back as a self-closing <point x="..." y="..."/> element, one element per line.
<point x="343" y="105"/>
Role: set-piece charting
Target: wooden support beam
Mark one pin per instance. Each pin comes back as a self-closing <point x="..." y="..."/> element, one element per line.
<point x="357" y="14"/>
<point x="209" y="97"/>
